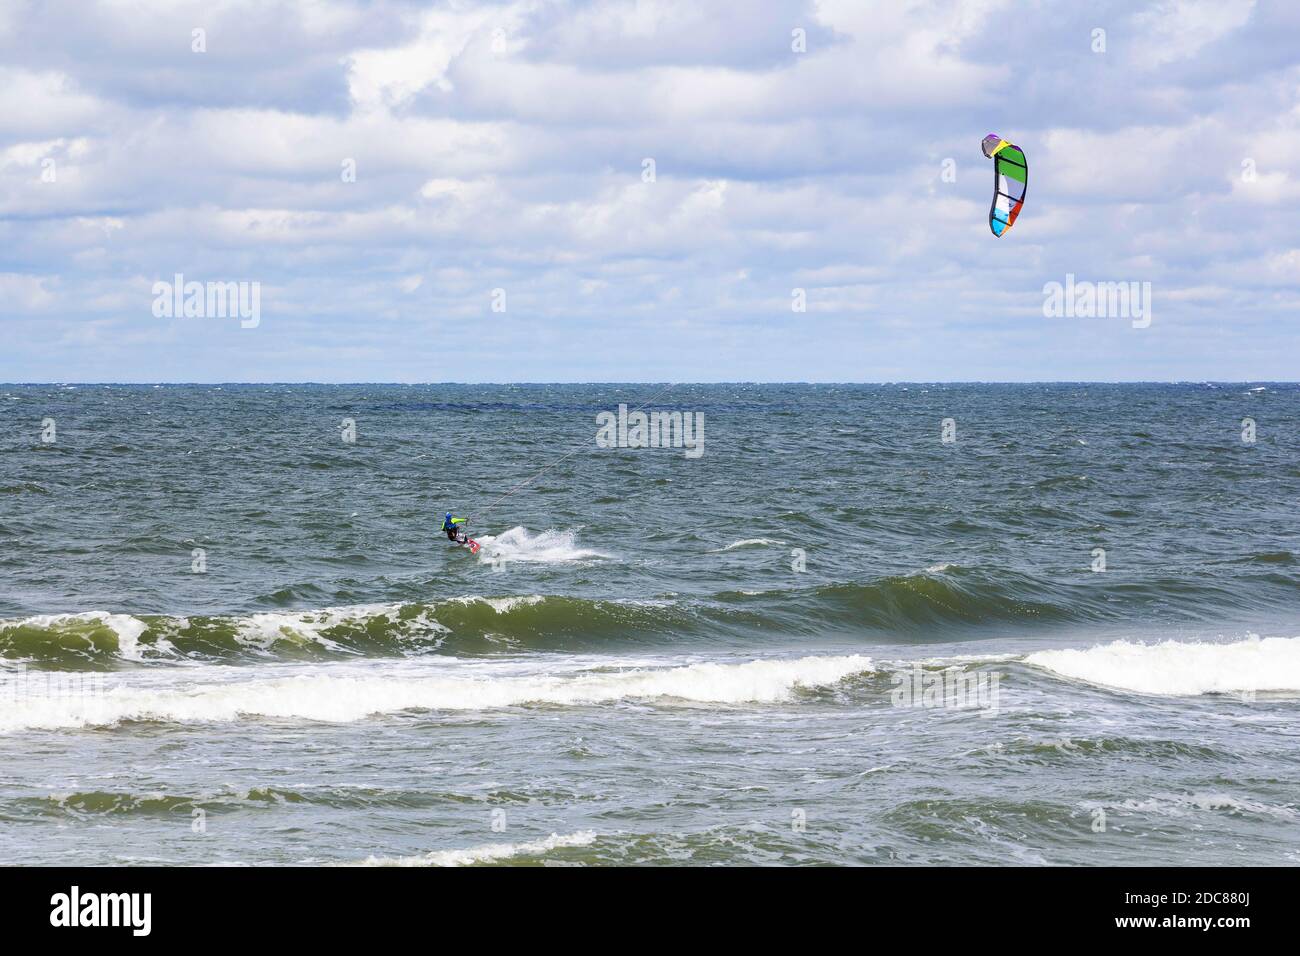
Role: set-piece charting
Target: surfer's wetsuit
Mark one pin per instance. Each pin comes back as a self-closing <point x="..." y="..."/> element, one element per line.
<point x="453" y="533"/>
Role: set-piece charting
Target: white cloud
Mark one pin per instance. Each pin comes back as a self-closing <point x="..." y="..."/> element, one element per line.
<point x="1179" y="29"/>
<point x="43" y="105"/>
<point x="26" y="293"/>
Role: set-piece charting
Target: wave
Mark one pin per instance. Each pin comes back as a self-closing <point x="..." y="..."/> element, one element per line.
<point x="945" y="595"/>
<point x="90" y="632"/>
<point x="336" y="796"/>
<point x="490" y="853"/>
<point x="465" y="625"/>
<point x="479" y="624"/>
<point x="940" y="602"/>
<point x="99" y="638"/>
<point x="1180" y="669"/>
<point x="340" y="697"/>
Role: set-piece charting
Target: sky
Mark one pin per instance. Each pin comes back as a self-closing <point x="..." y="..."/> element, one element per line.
<point x="646" y="191"/>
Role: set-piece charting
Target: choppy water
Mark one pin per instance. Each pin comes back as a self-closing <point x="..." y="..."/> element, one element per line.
<point x="655" y="658"/>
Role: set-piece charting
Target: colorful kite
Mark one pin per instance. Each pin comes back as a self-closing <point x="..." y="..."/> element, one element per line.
<point x="1010" y="174"/>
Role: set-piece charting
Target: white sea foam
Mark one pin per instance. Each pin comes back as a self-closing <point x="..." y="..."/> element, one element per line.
<point x="1182" y="669"/>
<point x="339" y="693"/>
<point x="545" y="547"/>
<point x="1187" y="804"/>
<point x="489" y="853"/>
<point x="746" y="543"/>
<point x="305" y="627"/>
<point x="502" y="605"/>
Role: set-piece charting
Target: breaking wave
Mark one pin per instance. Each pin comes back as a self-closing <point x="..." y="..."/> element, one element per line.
<point x="340" y="695"/>
<point x="1174" y="668"/>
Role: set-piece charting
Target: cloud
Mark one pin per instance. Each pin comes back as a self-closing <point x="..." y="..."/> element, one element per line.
<point x="380" y="168"/>
<point x="1179" y="29"/>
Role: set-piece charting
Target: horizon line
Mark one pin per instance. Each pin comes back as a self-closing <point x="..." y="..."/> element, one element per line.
<point x="164" y="384"/>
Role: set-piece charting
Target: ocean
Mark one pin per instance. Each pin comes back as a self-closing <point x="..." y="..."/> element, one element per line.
<point x="855" y="624"/>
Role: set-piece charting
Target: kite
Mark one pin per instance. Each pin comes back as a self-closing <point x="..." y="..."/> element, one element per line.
<point x="1010" y="174"/>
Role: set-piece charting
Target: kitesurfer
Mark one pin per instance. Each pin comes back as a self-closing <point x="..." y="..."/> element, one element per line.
<point x="454" y="533"/>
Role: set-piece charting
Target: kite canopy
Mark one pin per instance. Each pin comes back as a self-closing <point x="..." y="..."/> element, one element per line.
<point x="1010" y="174"/>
